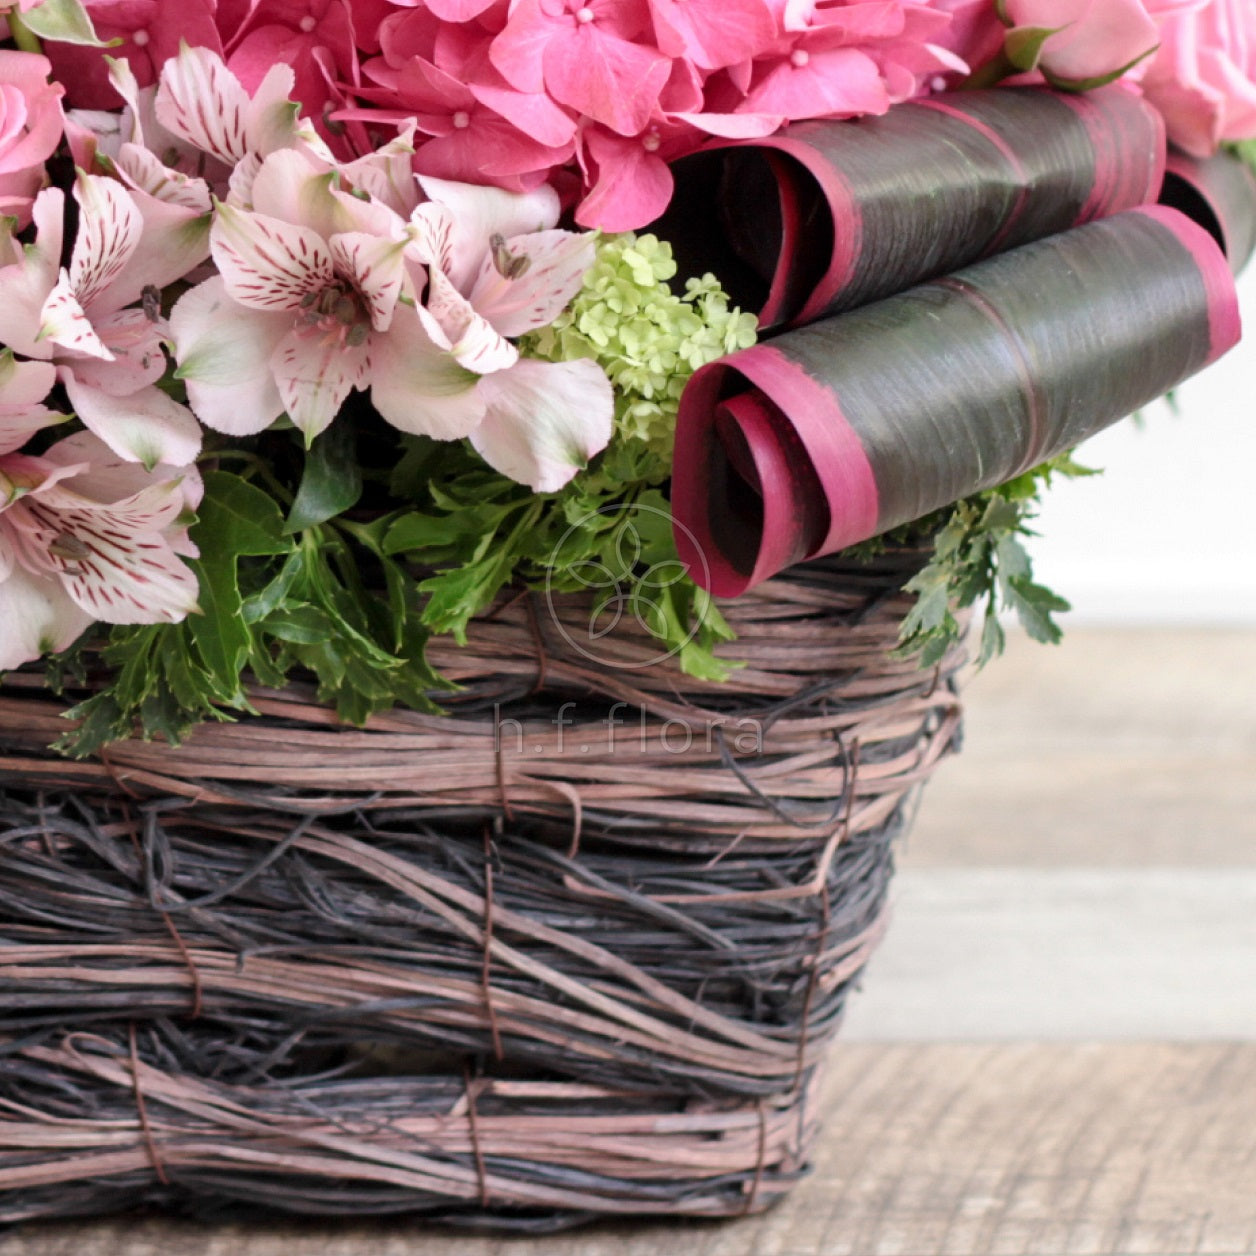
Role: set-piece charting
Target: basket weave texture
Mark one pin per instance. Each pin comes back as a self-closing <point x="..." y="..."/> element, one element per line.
<point x="576" y="948"/>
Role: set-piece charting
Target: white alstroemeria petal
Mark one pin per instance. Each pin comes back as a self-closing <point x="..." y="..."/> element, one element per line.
<point x="38" y="617"/>
<point x="18" y="426"/>
<point x="240" y="184"/>
<point x="176" y="242"/>
<point x="27" y="281"/>
<point x="224" y="353"/>
<point x="23" y="384"/>
<point x="450" y="319"/>
<point x="124" y="570"/>
<point x="138" y="358"/>
<point x="141" y="171"/>
<point x="294" y="187"/>
<point x="431" y="235"/>
<point x="552" y="266"/>
<point x="315" y="373"/>
<point x="376" y="268"/>
<point x="387" y="174"/>
<point x="268" y="264"/>
<point x="147" y="426"/>
<point x="545" y="420"/>
<point x="272" y="118"/>
<point x="109" y="231"/>
<point x="483" y="212"/>
<point x="201" y="102"/>
<point x="101" y="475"/>
<point x="63" y="322"/>
<point x="418" y="387"/>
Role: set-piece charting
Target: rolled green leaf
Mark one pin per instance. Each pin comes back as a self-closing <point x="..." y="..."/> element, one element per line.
<point x="843" y="429"/>
<point x="1219" y="193"/>
<point x="829" y="215"/>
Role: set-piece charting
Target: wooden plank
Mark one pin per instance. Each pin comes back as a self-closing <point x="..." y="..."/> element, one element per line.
<point x="1053" y="954"/>
<point x="1123" y="748"/>
<point x="940" y="1150"/>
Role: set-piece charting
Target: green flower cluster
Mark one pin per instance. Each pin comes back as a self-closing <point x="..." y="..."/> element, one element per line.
<point x="645" y="337"/>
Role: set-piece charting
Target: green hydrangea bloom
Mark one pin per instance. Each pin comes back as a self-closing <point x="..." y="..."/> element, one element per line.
<point x="647" y="339"/>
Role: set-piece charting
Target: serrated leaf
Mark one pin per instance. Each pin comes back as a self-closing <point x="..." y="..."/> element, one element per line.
<point x="1034" y="606"/>
<point x="235" y="519"/>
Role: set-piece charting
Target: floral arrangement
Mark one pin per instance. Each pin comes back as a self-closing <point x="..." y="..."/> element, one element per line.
<point x="324" y="321"/>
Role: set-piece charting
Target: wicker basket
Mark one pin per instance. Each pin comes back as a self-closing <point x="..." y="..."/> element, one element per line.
<point x="577" y="948"/>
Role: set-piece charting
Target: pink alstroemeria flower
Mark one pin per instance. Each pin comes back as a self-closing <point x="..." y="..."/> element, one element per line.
<point x="203" y="105"/>
<point x="497" y="269"/>
<point x="85" y="320"/>
<point x="83" y="535"/>
<point x="309" y="280"/>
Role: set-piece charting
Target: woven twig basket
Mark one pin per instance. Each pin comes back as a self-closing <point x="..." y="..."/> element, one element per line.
<point x="577" y="948"/>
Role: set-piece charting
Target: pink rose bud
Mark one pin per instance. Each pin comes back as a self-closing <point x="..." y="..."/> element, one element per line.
<point x="1078" y="41"/>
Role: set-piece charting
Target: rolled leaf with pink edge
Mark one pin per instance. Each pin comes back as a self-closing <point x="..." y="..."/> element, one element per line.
<point x="844" y="429"/>
<point x="1219" y="193"/>
<point x="828" y="215"/>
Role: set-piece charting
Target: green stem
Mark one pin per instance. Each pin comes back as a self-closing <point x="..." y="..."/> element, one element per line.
<point x="22" y="35"/>
<point x="991" y="74"/>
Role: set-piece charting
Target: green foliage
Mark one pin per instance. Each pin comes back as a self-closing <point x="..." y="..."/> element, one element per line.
<point x="979" y="558"/>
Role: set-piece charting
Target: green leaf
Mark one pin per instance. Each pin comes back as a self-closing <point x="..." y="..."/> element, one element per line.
<point x="456" y="595"/>
<point x="332" y="481"/>
<point x="1099" y="80"/>
<point x="235" y="519"/>
<point x="1034" y="606"/>
<point x="302" y="625"/>
<point x="63" y="21"/>
<point x="1023" y="44"/>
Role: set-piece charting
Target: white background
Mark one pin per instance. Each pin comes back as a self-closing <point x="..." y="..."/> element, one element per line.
<point x="1167" y="535"/>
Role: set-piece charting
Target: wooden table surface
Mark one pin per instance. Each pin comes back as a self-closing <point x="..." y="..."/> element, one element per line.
<point x="1056" y="1049"/>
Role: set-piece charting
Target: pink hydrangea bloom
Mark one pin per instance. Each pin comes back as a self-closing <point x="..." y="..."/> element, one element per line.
<point x="1203" y="78"/>
<point x="31" y="125"/>
<point x="315" y="38"/>
<point x="150" y="33"/>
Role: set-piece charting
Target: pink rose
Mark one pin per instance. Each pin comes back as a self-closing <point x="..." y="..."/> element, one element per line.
<point x="1202" y="77"/>
<point x="1092" y="39"/>
<point x="31" y="125"/>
